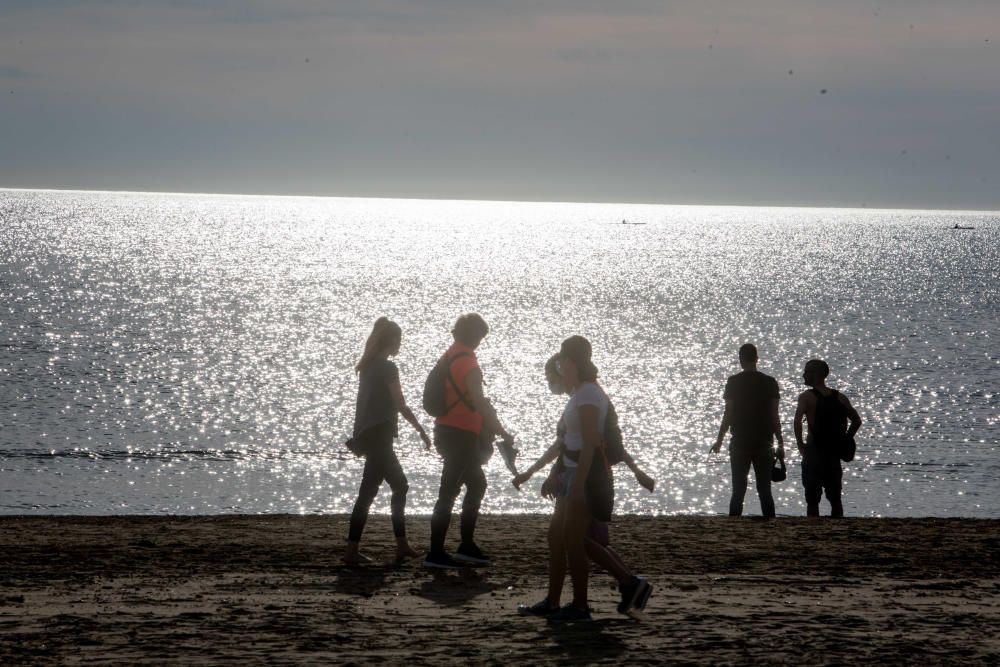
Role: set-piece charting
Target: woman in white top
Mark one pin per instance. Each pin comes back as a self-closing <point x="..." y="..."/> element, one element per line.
<point x="584" y="417"/>
<point x="635" y="590"/>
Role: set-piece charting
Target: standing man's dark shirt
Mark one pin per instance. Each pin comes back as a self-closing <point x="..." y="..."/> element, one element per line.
<point x="751" y="393"/>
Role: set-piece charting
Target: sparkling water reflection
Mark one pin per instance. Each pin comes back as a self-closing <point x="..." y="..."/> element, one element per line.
<point x="193" y="354"/>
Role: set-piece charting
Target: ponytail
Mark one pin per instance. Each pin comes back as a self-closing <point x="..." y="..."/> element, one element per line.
<point x="384" y="334"/>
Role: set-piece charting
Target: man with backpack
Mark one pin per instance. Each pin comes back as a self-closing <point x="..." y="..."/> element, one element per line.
<point x="830" y="440"/>
<point x="453" y="394"/>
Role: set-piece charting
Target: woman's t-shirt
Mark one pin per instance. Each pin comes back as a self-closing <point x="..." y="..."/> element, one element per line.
<point x="375" y="404"/>
<point x="460" y="416"/>
<point x="587" y="394"/>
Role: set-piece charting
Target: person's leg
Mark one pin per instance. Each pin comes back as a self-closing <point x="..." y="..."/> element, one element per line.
<point x="763" y="463"/>
<point x="812" y="482"/>
<point x="451" y="485"/>
<point x="635" y="591"/>
<point x="739" y="460"/>
<point x="371" y="480"/>
<point x="557" y="553"/>
<point x="609" y="559"/>
<point x="833" y="483"/>
<point x="577" y="521"/>
<point x="475" y="489"/>
<point x="549" y="605"/>
<point x="400" y="486"/>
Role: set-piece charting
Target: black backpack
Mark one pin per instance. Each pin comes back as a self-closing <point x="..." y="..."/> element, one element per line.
<point x="434" y="398"/>
<point x="614" y="446"/>
<point x="830" y="434"/>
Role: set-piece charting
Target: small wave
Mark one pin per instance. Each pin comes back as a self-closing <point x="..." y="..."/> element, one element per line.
<point x="170" y="454"/>
<point x="918" y="464"/>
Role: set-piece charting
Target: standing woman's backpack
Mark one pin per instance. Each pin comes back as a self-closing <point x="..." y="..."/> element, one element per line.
<point x="435" y="398"/>
<point x="614" y="446"/>
<point x="600" y="486"/>
<point x="831" y="426"/>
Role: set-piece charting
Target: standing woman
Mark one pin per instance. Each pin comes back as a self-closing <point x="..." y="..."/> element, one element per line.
<point x="584" y="418"/>
<point x="380" y="400"/>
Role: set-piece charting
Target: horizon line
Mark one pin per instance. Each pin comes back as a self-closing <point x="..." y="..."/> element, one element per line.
<point x="498" y="201"/>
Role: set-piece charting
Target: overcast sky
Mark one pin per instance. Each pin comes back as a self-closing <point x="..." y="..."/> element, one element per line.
<point x="676" y="102"/>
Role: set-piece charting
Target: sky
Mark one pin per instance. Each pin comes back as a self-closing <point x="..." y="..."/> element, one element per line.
<point x="799" y="102"/>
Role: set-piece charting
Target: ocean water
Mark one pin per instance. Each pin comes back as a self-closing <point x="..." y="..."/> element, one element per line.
<point x="193" y="354"/>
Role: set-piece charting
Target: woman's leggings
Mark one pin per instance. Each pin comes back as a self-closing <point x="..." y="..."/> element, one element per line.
<point x="381" y="465"/>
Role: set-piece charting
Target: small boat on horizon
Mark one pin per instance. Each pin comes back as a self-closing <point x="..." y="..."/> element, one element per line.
<point x="958" y="226"/>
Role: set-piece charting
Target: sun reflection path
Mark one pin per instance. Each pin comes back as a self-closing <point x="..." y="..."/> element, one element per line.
<point x="180" y="353"/>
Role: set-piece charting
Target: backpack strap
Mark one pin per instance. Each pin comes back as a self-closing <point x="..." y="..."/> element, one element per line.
<point x="462" y="398"/>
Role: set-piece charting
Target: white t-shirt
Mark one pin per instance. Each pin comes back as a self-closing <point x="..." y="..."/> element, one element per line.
<point x="587" y="394"/>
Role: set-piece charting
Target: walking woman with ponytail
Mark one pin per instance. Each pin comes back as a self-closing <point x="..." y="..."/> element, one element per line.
<point x="380" y="401"/>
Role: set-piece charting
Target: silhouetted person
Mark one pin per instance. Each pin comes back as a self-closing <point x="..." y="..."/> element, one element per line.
<point x="752" y="415"/>
<point x="380" y="401"/>
<point x="635" y="590"/>
<point x="584" y="418"/>
<point x="827" y="412"/>
<point x="457" y="437"/>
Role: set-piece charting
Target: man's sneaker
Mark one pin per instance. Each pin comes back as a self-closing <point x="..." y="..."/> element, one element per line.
<point x="542" y="608"/>
<point x="570" y="614"/>
<point x="635" y="595"/>
<point x="470" y="553"/>
<point x="441" y="561"/>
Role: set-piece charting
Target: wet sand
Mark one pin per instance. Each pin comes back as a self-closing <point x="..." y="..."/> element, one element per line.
<point x="206" y="590"/>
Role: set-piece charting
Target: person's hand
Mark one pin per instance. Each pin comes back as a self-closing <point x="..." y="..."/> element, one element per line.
<point x="780" y="452"/>
<point x="717" y="447"/>
<point x="645" y="481"/>
<point x="550" y="487"/>
<point x="520" y="479"/>
<point x="427" y="440"/>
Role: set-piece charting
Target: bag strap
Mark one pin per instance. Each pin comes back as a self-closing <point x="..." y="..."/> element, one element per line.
<point x="461" y="395"/>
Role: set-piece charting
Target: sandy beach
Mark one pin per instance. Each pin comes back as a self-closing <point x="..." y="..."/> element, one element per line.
<point x="252" y="589"/>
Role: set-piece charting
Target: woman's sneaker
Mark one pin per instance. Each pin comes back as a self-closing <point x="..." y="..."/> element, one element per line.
<point x="471" y="554"/>
<point x="635" y="595"/>
<point x="441" y="561"/>
<point x="570" y="614"/>
<point x="542" y="608"/>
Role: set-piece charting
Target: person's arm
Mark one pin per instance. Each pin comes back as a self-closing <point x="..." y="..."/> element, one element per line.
<point x="645" y="481"/>
<point x="724" y="426"/>
<point x="397" y="396"/>
<point x="550" y="487"/>
<point x="591" y="441"/>
<point x="474" y="384"/>
<point x="776" y="427"/>
<point x="548" y="457"/>
<point x="853" y="415"/>
<point x="800" y="413"/>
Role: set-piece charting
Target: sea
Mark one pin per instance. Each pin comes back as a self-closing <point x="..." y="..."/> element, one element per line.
<point x="193" y="354"/>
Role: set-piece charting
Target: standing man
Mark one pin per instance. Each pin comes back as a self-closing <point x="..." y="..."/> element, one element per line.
<point x="826" y="411"/>
<point x="456" y="437"/>
<point x="752" y="415"/>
